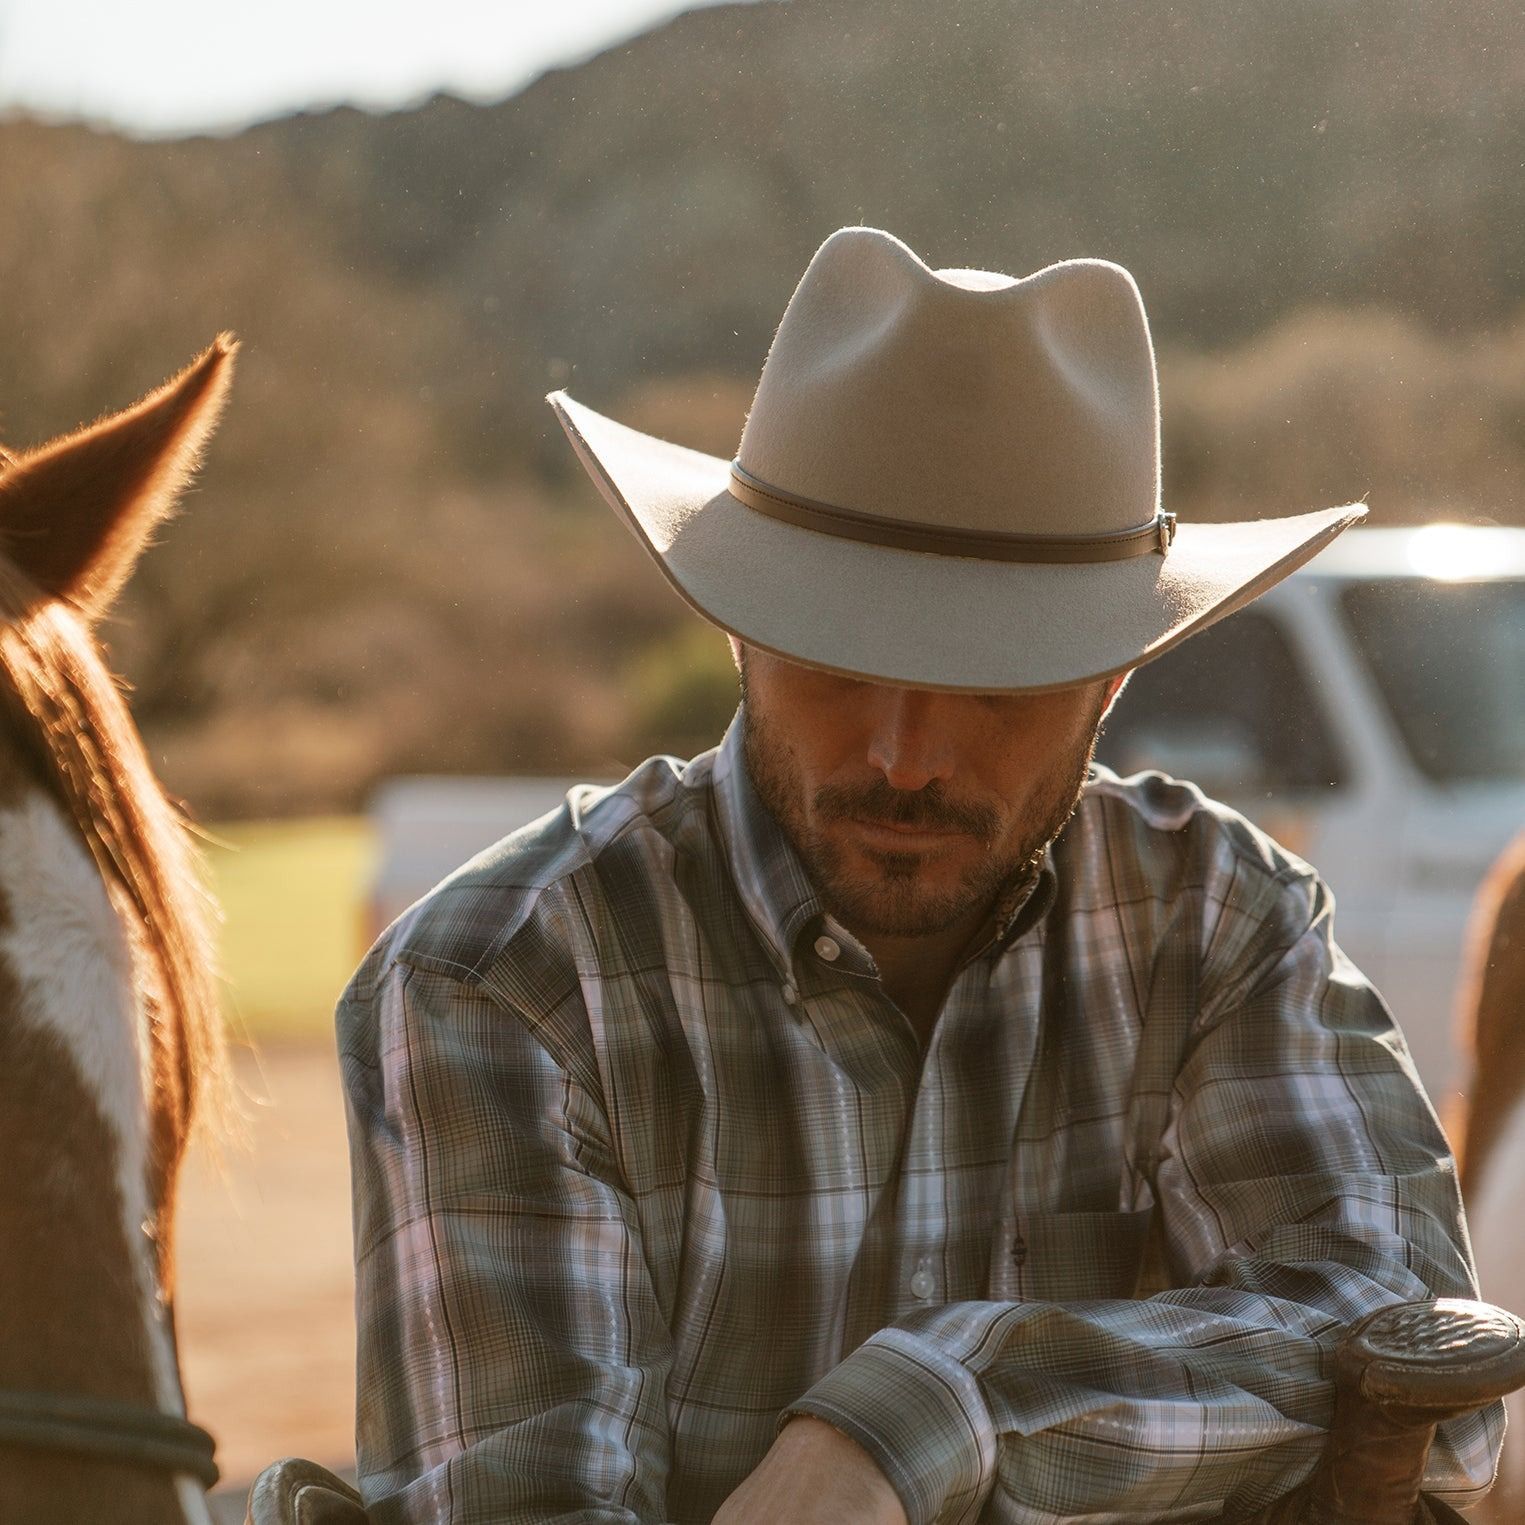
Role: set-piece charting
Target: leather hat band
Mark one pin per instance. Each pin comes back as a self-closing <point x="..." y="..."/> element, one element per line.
<point x="909" y="535"/>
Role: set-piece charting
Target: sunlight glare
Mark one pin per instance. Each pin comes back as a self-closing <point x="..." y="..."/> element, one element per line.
<point x="1451" y="552"/>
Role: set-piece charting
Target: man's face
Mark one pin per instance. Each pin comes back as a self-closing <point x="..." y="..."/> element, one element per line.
<point x="912" y="809"/>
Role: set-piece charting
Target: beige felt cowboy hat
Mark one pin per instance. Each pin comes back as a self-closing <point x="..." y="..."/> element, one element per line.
<point x="948" y="479"/>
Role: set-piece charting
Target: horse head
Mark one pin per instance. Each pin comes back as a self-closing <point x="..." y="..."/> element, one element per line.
<point x="109" y="1032"/>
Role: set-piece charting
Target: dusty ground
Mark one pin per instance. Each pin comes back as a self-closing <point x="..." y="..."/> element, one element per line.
<point x="265" y="1298"/>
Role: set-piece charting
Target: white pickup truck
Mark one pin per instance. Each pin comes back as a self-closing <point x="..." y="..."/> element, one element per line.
<point x="1369" y="712"/>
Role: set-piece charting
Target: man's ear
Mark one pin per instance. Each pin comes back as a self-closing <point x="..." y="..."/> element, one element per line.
<point x="76" y="512"/>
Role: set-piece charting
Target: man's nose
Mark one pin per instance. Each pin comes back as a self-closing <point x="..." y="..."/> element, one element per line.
<point x="908" y="741"/>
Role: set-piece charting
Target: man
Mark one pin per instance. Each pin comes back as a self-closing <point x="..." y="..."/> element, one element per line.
<point x="837" y="1127"/>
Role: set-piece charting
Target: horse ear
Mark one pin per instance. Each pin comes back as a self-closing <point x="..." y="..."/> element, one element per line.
<point x="76" y="512"/>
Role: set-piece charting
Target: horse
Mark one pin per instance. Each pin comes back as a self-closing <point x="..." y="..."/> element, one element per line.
<point x="110" y="1035"/>
<point x="1490" y="1133"/>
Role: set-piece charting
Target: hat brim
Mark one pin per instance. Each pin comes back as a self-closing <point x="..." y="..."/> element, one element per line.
<point x="952" y="623"/>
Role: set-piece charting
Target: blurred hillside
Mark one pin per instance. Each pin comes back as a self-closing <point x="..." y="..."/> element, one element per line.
<point x="393" y="562"/>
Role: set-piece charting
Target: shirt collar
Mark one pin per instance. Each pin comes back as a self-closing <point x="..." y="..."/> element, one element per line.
<point x="777" y="892"/>
<point x="1023" y="904"/>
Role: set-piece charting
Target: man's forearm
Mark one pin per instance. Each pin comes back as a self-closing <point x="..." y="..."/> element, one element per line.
<point x="813" y="1475"/>
<point x="1215" y="1396"/>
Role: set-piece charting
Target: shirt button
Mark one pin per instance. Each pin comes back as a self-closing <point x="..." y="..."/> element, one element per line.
<point x="828" y="948"/>
<point x="791" y="995"/>
<point x="921" y="1285"/>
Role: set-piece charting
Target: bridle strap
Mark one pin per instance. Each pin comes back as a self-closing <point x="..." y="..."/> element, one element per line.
<point x="916" y="535"/>
<point x="108" y="1429"/>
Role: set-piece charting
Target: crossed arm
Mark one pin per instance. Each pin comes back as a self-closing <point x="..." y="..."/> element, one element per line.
<point x="813" y="1475"/>
<point x="514" y="1353"/>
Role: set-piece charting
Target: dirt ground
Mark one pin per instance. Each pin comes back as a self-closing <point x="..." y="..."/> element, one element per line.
<point x="265" y="1301"/>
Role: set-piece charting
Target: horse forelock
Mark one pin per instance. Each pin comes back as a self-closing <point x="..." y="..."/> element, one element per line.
<point x="65" y="713"/>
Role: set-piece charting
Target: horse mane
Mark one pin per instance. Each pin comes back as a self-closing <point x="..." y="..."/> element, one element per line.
<point x="74" y="724"/>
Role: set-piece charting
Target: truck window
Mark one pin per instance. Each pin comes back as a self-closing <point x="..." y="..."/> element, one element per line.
<point x="1449" y="659"/>
<point x="1232" y="710"/>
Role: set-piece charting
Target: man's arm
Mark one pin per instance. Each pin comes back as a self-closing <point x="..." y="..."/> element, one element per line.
<point x="813" y="1475"/>
<point x="512" y="1358"/>
<point x="1302" y="1182"/>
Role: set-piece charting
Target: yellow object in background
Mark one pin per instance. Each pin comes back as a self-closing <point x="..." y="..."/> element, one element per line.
<point x="292" y="896"/>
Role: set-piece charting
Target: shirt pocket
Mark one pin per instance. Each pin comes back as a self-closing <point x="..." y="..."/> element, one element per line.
<point x="1064" y="1257"/>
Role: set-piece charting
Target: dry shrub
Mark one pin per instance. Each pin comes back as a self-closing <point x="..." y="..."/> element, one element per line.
<point x="1330" y="406"/>
<point x="683" y="692"/>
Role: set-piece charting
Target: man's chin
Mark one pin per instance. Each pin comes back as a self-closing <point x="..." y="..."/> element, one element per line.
<point x="888" y="905"/>
<point x="887" y="920"/>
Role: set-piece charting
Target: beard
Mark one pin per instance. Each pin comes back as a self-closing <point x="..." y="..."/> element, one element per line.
<point x="895" y="898"/>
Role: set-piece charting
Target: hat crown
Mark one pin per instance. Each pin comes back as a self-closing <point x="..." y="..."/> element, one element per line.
<point x="962" y="399"/>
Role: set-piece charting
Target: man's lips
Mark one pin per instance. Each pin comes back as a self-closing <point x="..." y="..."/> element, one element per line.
<point x="896" y="838"/>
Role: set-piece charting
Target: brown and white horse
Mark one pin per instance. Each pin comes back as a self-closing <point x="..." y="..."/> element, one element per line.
<point x="1491" y="1135"/>
<point x="109" y="1033"/>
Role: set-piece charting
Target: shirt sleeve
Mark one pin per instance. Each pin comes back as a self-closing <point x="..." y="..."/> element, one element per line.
<point x="512" y="1358"/>
<point x="1301" y="1182"/>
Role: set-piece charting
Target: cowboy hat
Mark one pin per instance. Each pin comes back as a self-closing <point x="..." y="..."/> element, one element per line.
<point x="948" y="479"/>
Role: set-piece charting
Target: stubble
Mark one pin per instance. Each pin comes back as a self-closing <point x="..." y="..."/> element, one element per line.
<point x="894" y="899"/>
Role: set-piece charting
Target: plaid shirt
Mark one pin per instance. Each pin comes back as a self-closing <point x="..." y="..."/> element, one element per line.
<point x="646" y="1161"/>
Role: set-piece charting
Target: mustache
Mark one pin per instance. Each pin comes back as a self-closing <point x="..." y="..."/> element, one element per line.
<point x="928" y="808"/>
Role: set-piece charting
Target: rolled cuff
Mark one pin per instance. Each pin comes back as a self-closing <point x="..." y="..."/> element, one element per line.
<point x="922" y="1418"/>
